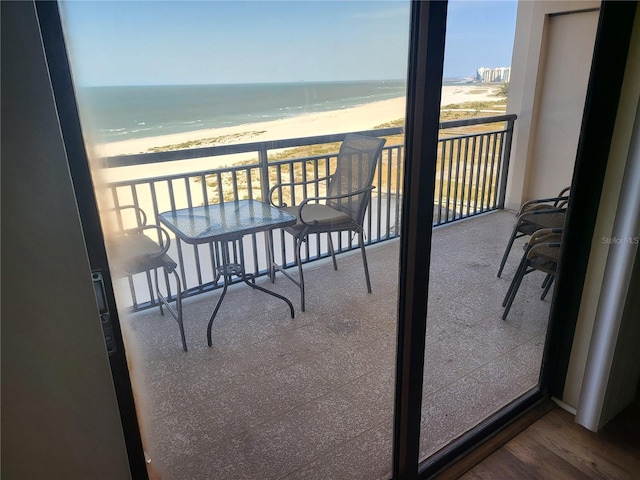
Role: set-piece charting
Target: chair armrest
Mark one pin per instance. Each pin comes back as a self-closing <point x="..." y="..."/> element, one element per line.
<point x="535" y="250"/>
<point x="544" y="234"/>
<point x="541" y="206"/>
<point x="141" y="217"/>
<point x="539" y="211"/>
<point x="554" y="201"/>
<point x="292" y="184"/>
<point x="333" y="197"/>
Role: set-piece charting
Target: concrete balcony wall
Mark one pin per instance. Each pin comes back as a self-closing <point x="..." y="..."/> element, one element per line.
<point x="550" y="69"/>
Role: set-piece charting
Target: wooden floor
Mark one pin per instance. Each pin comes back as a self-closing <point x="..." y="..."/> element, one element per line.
<point x="554" y="447"/>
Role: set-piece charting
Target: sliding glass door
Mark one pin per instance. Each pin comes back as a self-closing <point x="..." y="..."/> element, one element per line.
<point x="175" y="115"/>
<point x="198" y="105"/>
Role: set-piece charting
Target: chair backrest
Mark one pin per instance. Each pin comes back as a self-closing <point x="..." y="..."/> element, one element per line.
<point x="563" y="197"/>
<point x="356" y="166"/>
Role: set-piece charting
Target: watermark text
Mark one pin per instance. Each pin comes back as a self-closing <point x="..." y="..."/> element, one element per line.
<point x="621" y="240"/>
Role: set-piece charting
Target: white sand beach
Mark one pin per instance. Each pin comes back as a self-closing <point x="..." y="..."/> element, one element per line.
<point x="363" y="117"/>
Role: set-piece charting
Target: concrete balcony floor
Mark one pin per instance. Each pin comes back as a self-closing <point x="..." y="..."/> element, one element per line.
<point x="312" y="397"/>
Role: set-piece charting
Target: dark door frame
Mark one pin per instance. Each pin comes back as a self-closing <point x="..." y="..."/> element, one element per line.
<point x="62" y="85"/>
<point x="424" y="85"/>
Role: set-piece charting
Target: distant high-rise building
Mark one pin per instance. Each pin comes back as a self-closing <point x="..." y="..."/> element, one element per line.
<point x="493" y="75"/>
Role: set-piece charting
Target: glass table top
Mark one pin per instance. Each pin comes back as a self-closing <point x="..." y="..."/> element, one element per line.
<point x="224" y="221"/>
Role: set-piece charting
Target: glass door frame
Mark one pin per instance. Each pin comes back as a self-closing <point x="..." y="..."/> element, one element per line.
<point x="426" y="54"/>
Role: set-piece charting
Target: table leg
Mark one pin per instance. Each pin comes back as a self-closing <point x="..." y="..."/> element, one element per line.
<point x="215" y="311"/>
<point x="273" y="294"/>
<point x="226" y="280"/>
<point x="270" y="255"/>
<point x="227" y="271"/>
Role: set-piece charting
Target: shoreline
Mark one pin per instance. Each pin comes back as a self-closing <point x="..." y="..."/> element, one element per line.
<point x="363" y="117"/>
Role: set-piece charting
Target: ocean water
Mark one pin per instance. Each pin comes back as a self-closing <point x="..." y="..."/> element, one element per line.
<point x="122" y="113"/>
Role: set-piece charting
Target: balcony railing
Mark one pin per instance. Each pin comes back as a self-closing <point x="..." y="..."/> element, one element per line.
<point x="470" y="180"/>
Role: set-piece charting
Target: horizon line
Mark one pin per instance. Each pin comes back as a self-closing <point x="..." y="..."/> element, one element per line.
<point x="260" y="83"/>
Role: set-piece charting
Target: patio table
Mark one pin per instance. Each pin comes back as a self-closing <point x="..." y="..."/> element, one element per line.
<point x="225" y="223"/>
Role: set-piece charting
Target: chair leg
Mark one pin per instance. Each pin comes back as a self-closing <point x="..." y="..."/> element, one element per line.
<point x="546" y="280"/>
<point x="517" y="281"/>
<point x="177" y="315"/>
<point x="299" y="242"/>
<point x="364" y="260"/>
<point x="179" y="310"/>
<point x="158" y="294"/>
<point x="332" y="251"/>
<point x="512" y="284"/>
<point x="547" y="286"/>
<point x="508" y="249"/>
<point x="513" y="290"/>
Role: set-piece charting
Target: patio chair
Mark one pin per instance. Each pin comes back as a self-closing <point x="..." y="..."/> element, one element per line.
<point x="534" y="215"/>
<point x="134" y="252"/>
<point x="541" y="253"/>
<point x="348" y="192"/>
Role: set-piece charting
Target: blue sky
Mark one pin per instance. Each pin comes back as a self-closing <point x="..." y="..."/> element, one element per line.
<point x="205" y="42"/>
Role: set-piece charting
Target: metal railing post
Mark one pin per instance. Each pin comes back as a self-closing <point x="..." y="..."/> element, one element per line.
<point x="506" y="159"/>
<point x="263" y="162"/>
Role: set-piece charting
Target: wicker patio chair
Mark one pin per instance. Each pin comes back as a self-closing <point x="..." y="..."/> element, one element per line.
<point x="348" y="192"/>
<point x="134" y="252"/>
<point x="535" y="215"/>
<point x="541" y="253"/>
